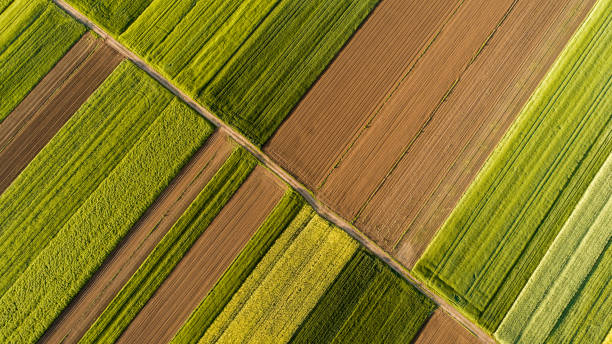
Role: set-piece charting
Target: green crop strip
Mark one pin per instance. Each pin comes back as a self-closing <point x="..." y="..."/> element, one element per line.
<point x="34" y="36"/>
<point x="282" y="215"/>
<point x="113" y="15"/>
<point x="367" y="303"/>
<point x="488" y="248"/>
<point x="299" y="267"/>
<point x="71" y="167"/>
<point x="171" y="249"/>
<point x="573" y="280"/>
<point x="79" y="248"/>
<point x="249" y="61"/>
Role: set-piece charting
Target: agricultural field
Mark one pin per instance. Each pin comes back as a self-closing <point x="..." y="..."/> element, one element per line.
<point x="59" y="225"/>
<point x="394" y="153"/>
<point x="93" y="298"/>
<point x="248" y="61"/>
<point x="526" y="193"/>
<point x="324" y="278"/>
<point x="317" y="171"/>
<point x="30" y="126"/>
<point x="34" y="36"/>
<point x="572" y="278"/>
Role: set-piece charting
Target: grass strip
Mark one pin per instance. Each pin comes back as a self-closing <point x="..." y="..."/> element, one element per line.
<point x="494" y="239"/>
<point x="284" y="286"/>
<point x="249" y="61"/>
<point x="203" y="316"/>
<point x="34" y="37"/>
<point x="343" y="315"/>
<point x="171" y="249"/>
<point x="73" y="164"/>
<point x="541" y="311"/>
<point x="55" y="276"/>
<point x="113" y="15"/>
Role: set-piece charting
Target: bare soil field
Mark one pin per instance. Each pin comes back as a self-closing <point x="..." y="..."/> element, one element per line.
<point x="400" y="174"/>
<point x="441" y="328"/>
<point x="28" y="128"/>
<point x="129" y="255"/>
<point x="206" y="261"/>
<point x="390" y="41"/>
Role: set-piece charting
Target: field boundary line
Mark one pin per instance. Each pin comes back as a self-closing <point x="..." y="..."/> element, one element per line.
<point x="263" y="158"/>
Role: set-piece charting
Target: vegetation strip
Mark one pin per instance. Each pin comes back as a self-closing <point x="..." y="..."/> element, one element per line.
<point x="572" y="278"/>
<point x="158" y="265"/>
<point x="35" y="35"/>
<point x="201" y="318"/>
<point x="249" y="61"/>
<point x="71" y="167"/>
<point x="54" y="277"/>
<point x="566" y="125"/>
<point x="367" y="301"/>
<point x="299" y="271"/>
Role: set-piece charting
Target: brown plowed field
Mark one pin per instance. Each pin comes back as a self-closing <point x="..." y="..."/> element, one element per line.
<point x="355" y="84"/>
<point x="29" y="127"/>
<point x="206" y="261"/>
<point x="150" y="229"/>
<point x="400" y="176"/>
<point x="442" y="329"/>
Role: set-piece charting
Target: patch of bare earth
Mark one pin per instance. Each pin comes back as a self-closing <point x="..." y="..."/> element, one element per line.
<point x="206" y="261"/>
<point x="91" y="301"/>
<point x="441" y="328"/>
<point x="30" y="126"/>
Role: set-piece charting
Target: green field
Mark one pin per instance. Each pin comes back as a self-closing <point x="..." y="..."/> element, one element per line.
<point x="321" y="275"/>
<point x="495" y="238"/>
<point x="76" y="161"/>
<point x="171" y="249"/>
<point x="567" y="297"/>
<point x="249" y="61"/>
<point x="368" y="302"/>
<point x="66" y="256"/>
<point x="34" y="35"/>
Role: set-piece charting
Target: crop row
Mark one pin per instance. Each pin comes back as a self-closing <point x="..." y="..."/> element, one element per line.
<point x="85" y="190"/>
<point x="249" y="61"/>
<point x="567" y="296"/>
<point x="505" y="223"/>
<point x="34" y="36"/>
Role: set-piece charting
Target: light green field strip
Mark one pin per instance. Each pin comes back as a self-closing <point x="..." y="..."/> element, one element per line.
<point x="5" y="3"/>
<point x="279" y="219"/>
<point x="34" y="35"/>
<point x="285" y="285"/>
<point x="171" y="249"/>
<point x="54" y="277"/>
<point x="249" y="61"/>
<point x="112" y="15"/>
<point x="71" y="167"/>
<point x="368" y="302"/>
<point x="578" y="254"/>
<point x="493" y="241"/>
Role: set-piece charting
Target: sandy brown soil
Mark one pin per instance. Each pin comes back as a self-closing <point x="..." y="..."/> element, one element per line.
<point x="332" y="113"/>
<point x="150" y="229"/>
<point x="442" y="329"/>
<point x="399" y="177"/>
<point x="29" y="127"/>
<point x="206" y="261"/>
